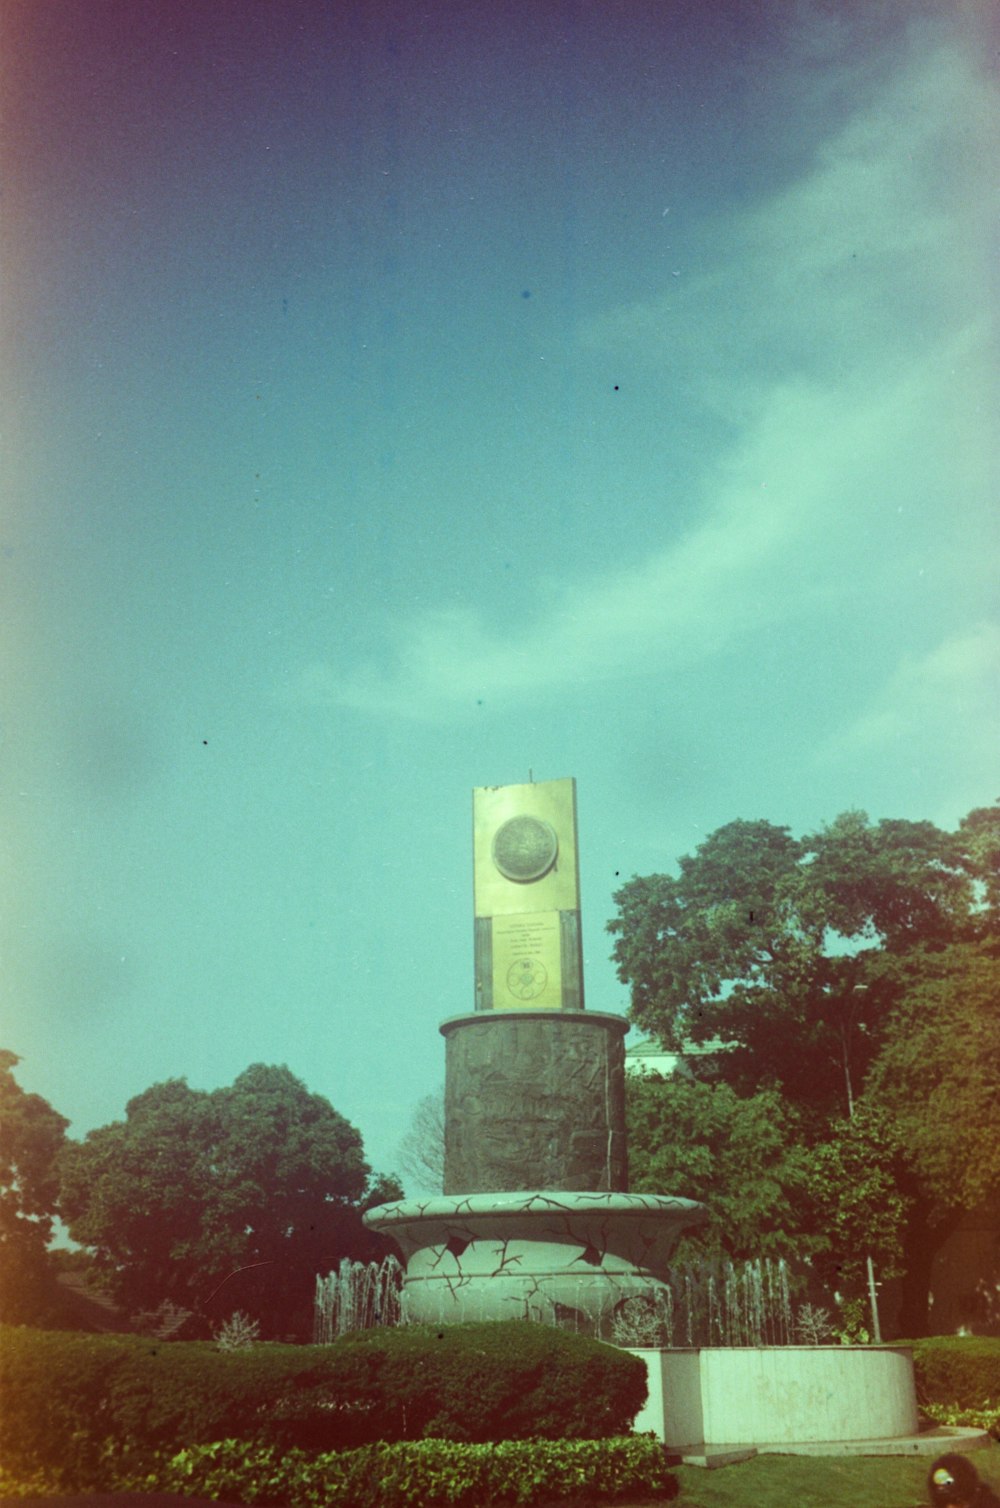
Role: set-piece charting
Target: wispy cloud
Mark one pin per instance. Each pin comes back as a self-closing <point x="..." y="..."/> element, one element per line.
<point x="884" y="246"/>
<point x="728" y="575"/>
<point x="950" y="694"/>
<point x="788" y="509"/>
<point x="936" y="717"/>
<point x="832" y="325"/>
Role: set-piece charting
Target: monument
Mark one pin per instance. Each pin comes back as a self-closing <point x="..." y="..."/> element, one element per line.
<point x="536" y="1220"/>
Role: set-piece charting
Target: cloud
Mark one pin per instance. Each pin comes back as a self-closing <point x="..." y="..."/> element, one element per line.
<point x="880" y="249"/>
<point x="949" y="695"/>
<point x="787" y="509"/>
<point x="834" y="325"/>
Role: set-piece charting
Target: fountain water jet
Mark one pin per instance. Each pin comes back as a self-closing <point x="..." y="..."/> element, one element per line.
<point x="358" y="1296"/>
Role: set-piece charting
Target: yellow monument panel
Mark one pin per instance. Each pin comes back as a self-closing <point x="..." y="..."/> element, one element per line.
<point x="526" y="884"/>
<point x="524" y="846"/>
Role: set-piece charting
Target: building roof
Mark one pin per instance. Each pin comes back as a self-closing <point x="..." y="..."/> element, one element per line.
<point x="650" y="1047"/>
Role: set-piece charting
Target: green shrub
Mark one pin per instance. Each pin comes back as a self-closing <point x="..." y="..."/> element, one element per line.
<point x="71" y="1399"/>
<point x="56" y="1388"/>
<point x="956" y="1369"/>
<point x="502" y="1381"/>
<point x="986" y="1416"/>
<point x="72" y="1402"/>
<point x="425" y="1472"/>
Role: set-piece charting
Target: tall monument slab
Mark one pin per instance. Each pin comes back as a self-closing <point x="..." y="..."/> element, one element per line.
<point x="534" y="1085"/>
<point x="526" y="887"/>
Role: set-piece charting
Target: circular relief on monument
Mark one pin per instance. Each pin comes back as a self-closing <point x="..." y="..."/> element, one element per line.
<point x="525" y="849"/>
<point x="526" y="978"/>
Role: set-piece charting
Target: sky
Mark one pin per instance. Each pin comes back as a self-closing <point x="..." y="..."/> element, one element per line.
<point x="403" y="398"/>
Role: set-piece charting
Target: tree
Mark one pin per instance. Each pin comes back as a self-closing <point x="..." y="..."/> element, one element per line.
<point x="233" y="1199"/>
<point x="979" y="838"/>
<point x="421" y="1151"/>
<point x="938" y="1074"/>
<point x="31" y="1136"/>
<point x="778" y="945"/>
<point x="739" y="1157"/>
<point x="800" y="956"/>
<point x="938" y="1078"/>
<point x="854" y="1187"/>
<point x="824" y="1207"/>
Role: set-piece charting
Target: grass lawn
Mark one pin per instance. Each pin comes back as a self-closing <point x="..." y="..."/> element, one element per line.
<point x="826" y="1482"/>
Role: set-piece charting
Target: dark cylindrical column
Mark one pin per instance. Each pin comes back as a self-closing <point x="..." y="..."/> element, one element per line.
<point x="535" y="1100"/>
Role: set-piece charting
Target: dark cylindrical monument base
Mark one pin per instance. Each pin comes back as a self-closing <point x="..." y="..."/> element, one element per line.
<point x="535" y="1099"/>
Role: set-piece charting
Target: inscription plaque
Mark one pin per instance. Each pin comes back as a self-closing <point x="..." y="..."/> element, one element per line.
<point x="526" y="960"/>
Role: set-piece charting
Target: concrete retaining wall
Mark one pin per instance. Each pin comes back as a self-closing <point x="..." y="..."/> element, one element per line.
<point x="778" y="1394"/>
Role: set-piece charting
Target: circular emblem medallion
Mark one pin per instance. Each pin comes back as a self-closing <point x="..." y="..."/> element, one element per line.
<point x="526" y="978"/>
<point x="525" y="849"/>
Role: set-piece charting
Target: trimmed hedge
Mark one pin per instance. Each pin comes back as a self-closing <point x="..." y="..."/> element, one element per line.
<point x="503" y="1381"/>
<point x="70" y="1398"/>
<point x="959" y="1369"/>
<point x="73" y="1401"/>
<point x="425" y="1473"/>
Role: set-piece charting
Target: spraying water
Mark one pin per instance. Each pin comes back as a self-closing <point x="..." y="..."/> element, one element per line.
<point x="710" y="1304"/>
<point x="358" y="1296"/>
<point x="701" y="1304"/>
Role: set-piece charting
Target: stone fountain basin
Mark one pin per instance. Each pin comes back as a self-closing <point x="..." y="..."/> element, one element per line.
<point x="556" y="1257"/>
<point x="778" y="1397"/>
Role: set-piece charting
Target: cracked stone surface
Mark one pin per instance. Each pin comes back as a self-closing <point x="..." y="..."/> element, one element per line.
<point x="560" y="1258"/>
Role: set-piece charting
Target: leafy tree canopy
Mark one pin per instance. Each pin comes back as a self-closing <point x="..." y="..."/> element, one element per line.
<point x="855" y="974"/>
<point x="737" y="1156"/>
<point x="234" y="1198"/>
<point x="824" y="1206"/>
<point x="31" y="1136"/>
<point x="784" y="948"/>
<point x="938" y="1075"/>
<point x="854" y="1198"/>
